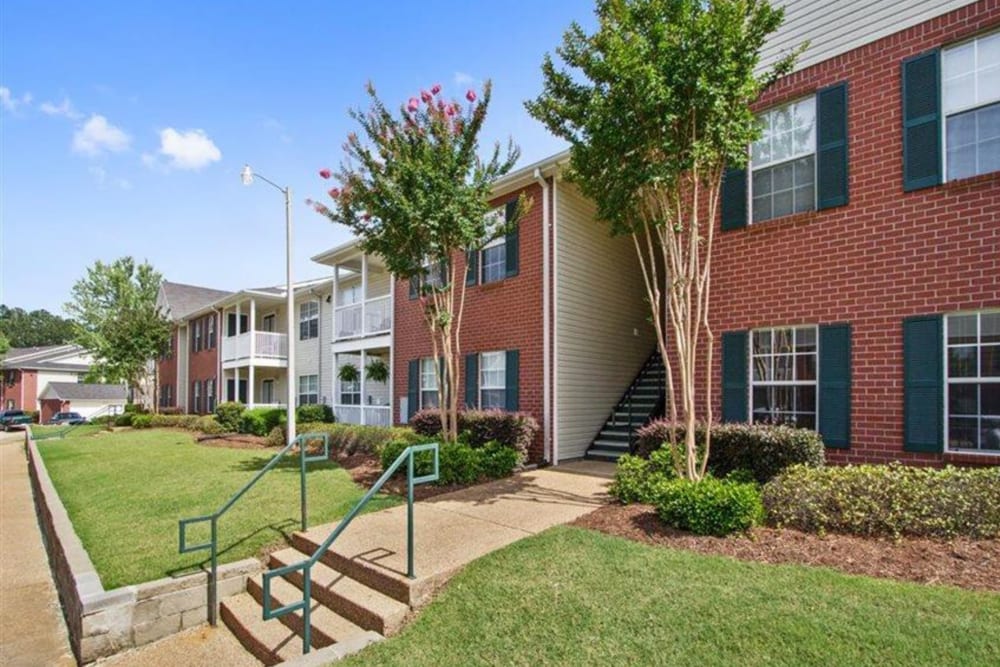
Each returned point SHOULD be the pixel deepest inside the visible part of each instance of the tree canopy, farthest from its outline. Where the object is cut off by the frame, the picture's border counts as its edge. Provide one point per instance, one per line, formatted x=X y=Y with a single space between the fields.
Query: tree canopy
x=36 y=328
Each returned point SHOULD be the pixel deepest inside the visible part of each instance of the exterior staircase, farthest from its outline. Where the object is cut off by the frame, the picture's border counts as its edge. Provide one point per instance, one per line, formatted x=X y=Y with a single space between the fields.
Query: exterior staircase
x=642 y=401
x=349 y=611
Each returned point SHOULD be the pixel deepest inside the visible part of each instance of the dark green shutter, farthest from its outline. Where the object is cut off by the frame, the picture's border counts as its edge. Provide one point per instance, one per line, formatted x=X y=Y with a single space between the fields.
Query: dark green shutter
x=923 y=387
x=512 y=241
x=511 y=381
x=471 y=380
x=412 y=388
x=921 y=121
x=831 y=146
x=734 y=199
x=834 y=400
x=734 y=376
x=471 y=267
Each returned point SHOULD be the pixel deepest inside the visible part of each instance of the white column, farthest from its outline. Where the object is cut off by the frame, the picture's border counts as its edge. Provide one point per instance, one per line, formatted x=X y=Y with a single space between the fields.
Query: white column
x=236 y=340
x=253 y=330
x=364 y=295
x=236 y=372
x=251 y=399
x=364 y=382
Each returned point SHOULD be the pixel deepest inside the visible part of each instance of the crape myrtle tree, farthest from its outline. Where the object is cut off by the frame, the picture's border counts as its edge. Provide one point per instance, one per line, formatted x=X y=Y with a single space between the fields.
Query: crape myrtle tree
x=415 y=191
x=655 y=105
x=117 y=320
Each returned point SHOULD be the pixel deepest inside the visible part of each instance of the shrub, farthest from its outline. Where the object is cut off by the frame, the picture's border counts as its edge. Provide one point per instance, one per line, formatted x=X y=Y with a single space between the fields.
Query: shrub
x=261 y=421
x=516 y=430
x=124 y=419
x=139 y=420
x=353 y=438
x=428 y=422
x=208 y=425
x=173 y=421
x=277 y=437
x=230 y=415
x=134 y=409
x=709 y=507
x=102 y=419
x=316 y=412
x=763 y=450
x=497 y=460
x=890 y=500
x=458 y=463
x=172 y=410
x=34 y=414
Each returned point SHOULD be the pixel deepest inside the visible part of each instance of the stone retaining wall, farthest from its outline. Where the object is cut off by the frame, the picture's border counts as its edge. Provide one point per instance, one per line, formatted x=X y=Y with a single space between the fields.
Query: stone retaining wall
x=100 y=622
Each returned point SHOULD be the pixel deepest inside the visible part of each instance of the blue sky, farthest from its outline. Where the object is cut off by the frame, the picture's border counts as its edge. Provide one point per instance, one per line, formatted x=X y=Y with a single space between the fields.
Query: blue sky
x=123 y=126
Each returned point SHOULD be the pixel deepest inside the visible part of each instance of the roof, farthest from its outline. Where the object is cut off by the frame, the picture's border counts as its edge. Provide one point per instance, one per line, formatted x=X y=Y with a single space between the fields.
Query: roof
x=79 y=391
x=182 y=300
x=52 y=357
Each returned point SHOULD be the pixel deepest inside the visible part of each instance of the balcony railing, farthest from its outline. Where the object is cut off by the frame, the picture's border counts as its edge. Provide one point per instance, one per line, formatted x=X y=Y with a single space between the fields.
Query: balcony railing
x=373 y=316
x=267 y=345
x=370 y=415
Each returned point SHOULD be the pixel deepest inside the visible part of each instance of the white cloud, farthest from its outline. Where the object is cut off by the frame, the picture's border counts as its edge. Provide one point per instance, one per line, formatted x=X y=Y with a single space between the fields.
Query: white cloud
x=11 y=103
x=64 y=109
x=463 y=79
x=97 y=135
x=189 y=149
x=100 y=175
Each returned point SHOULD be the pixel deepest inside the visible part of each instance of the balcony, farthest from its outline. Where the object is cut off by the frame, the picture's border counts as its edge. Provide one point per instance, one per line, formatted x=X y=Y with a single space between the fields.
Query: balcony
x=367 y=318
x=268 y=349
x=369 y=415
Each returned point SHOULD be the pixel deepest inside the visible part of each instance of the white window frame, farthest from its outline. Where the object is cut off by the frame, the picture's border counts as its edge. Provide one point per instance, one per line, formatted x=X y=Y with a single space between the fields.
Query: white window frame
x=751 y=167
x=975 y=105
x=978 y=379
x=794 y=382
x=484 y=387
x=428 y=381
x=309 y=314
x=308 y=386
x=196 y=396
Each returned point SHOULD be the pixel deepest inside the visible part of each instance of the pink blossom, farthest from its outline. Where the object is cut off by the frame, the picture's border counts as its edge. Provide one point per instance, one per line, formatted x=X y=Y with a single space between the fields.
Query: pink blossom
x=325 y=173
x=470 y=95
x=435 y=89
x=426 y=97
x=319 y=208
x=413 y=104
x=450 y=110
x=334 y=192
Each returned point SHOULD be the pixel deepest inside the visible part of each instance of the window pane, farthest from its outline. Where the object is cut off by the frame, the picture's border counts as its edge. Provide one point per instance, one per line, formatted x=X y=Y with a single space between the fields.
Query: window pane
x=493 y=399
x=783 y=203
x=989 y=328
x=963 y=399
x=989 y=361
x=988 y=84
x=961 y=329
x=783 y=368
x=805 y=339
x=989 y=157
x=988 y=120
x=762 y=342
x=494 y=263
x=762 y=208
x=805 y=367
x=962 y=433
x=960 y=92
x=783 y=398
x=762 y=369
x=990 y=435
x=805 y=171
x=428 y=399
x=762 y=182
x=962 y=362
x=781 y=176
x=990 y=398
x=961 y=162
x=783 y=339
x=805 y=399
x=805 y=200
x=806 y=421
x=781 y=146
x=959 y=60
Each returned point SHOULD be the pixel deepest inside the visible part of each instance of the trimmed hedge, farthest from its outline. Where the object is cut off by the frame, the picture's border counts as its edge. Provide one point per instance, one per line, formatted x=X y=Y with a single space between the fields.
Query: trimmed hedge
x=458 y=463
x=352 y=438
x=709 y=507
x=140 y=420
x=887 y=500
x=637 y=479
x=762 y=449
x=173 y=421
x=260 y=421
x=230 y=415
x=314 y=412
x=208 y=425
x=516 y=430
x=124 y=419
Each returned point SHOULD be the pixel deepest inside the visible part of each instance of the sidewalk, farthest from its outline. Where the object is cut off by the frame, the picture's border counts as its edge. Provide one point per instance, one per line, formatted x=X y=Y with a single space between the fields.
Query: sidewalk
x=32 y=629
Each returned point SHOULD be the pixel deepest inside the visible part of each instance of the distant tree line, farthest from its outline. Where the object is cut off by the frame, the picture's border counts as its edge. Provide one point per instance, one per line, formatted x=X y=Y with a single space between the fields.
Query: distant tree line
x=36 y=328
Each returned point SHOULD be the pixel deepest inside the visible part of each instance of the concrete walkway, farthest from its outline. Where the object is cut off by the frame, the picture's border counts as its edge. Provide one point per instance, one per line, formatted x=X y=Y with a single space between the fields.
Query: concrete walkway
x=32 y=629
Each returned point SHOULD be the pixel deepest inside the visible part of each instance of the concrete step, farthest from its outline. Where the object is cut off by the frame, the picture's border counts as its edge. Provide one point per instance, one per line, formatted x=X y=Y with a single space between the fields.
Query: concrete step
x=268 y=641
x=613 y=434
x=600 y=454
x=328 y=627
x=610 y=445
x=353 y=600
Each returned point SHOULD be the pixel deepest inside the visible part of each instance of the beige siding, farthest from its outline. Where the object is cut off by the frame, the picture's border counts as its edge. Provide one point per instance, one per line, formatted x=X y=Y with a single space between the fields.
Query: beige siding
x=312 y=356
x=600 y=306
x=832 y=28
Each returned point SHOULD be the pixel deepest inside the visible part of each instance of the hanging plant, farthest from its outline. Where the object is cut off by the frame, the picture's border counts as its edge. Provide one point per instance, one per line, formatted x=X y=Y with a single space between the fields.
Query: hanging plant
x=377 y=370
x=349 y=373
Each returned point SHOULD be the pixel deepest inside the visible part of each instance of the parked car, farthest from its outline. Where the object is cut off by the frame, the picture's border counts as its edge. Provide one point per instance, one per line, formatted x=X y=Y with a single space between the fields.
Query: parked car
x=71 y=418
x=12 y=419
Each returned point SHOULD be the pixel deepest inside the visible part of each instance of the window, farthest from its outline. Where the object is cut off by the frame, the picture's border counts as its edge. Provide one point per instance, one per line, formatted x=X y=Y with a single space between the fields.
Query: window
x=196 y=397
x=350 y=392
x=196 y=335
x=432 y=277
x=493 y=380
x=267 y=391
x=210 y=395
x=783 y=376
x=231 y=324
x=428 y=383
x=783 y=161
x=973 y=372
x=970 y=74
x=309 y=320
x=166 y=396
x=267 y=323
x=308 y=389
x=494 y=261
x=210 y=343
x=348 y=295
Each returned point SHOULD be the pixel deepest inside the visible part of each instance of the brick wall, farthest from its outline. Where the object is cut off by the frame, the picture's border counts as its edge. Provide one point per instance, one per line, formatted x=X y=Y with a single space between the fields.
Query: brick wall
x=23 y=390
x=203 y=365
x=885 y=256
x=506 y=315
x=166 y=372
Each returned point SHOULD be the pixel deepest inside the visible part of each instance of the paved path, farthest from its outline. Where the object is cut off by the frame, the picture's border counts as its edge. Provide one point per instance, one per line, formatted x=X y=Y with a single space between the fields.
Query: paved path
x=32 y=630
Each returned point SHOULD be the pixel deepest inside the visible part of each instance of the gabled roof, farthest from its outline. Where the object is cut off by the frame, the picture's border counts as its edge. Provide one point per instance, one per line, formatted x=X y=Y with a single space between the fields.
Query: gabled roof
x=52 y=357
x=181 y=300
x=78 y=391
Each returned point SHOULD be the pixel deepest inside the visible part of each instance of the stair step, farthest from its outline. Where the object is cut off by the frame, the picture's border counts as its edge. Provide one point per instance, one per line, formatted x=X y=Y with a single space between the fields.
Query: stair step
x=350 y=598
x=611 y=445
x=598 y=454
x=268 y=641
x=621 y=435
x=328 y=627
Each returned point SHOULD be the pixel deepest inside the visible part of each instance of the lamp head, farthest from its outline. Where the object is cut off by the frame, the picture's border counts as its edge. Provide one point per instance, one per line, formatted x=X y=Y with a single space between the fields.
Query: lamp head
x=246 y=175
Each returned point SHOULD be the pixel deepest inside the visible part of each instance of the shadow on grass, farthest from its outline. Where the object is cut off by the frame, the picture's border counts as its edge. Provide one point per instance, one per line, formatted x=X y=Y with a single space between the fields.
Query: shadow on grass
x=289 y=463
x=283 y=528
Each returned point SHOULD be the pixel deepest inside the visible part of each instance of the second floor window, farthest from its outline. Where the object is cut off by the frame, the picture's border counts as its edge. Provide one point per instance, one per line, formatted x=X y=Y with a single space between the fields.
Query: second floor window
x=970 y=74
x=308 y=389
x=428 y=383
x=783 y=161
x=210 y=336
x=196 y=336
x=309 y=320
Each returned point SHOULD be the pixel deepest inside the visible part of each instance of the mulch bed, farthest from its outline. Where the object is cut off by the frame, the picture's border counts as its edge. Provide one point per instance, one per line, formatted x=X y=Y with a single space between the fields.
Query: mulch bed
x=365 y=469
x=962 y=562
x=234 y=441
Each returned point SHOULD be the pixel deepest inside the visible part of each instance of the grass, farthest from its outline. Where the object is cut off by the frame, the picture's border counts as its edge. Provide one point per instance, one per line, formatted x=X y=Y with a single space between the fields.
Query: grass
x=125 y=492
x=570 y=596
x=64 y=430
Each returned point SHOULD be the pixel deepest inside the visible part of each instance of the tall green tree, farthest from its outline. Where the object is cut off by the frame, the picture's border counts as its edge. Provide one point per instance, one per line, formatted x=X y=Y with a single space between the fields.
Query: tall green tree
x=4 y=344
x=415 y=191
x=116 y=318
x=655 y=104
x=36 y=328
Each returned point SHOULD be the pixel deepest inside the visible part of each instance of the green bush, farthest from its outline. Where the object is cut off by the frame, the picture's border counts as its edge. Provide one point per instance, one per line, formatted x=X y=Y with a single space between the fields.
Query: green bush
x=764 y=450
x=124 y=419
x=887 y=500
x=277 y=437
x=140 y=420
x=709 y=507
x=353 y=438
x=314 y=412
x=173 y=421
x=516 y=430
x=637 y=478
x=497 y=460
x=261 y=421
x=102 y=419
x=230 y=415
x=458 y=463
x=134 y=408
x=208 y=425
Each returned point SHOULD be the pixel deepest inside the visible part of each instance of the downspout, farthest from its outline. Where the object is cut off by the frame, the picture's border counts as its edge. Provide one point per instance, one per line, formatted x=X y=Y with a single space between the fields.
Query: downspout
x=555 y=320
x=546 y=320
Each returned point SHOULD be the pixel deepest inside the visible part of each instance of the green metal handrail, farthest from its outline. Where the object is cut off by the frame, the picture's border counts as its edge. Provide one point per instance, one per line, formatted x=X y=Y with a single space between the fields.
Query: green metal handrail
x=306 y=565
x=213 y=546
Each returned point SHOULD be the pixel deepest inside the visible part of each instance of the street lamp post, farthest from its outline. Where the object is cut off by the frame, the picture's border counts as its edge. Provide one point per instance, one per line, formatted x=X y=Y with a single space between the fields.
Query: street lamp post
x=247 y=175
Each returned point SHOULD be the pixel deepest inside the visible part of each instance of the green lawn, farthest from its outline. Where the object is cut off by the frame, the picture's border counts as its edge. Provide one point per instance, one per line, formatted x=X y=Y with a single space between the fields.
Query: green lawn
x=125 y=492
x=570 y=596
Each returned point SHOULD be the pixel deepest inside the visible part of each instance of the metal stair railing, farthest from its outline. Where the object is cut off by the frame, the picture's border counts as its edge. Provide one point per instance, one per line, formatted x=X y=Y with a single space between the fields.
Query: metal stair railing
x=629 y=395
x=213 y=543
x=305 y=604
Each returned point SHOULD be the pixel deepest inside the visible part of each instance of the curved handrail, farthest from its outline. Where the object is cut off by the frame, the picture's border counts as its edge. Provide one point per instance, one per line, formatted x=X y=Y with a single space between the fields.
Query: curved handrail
x=212 y=544
x=306 y=565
